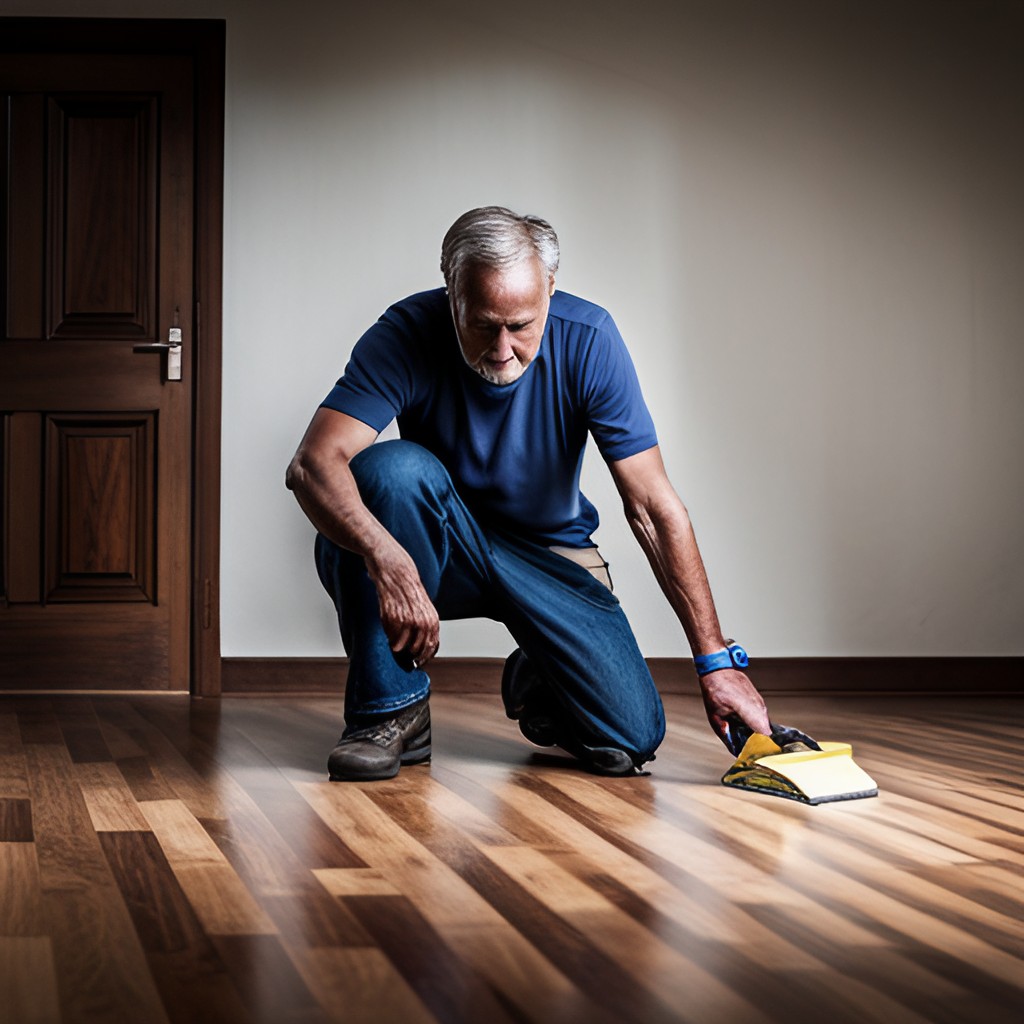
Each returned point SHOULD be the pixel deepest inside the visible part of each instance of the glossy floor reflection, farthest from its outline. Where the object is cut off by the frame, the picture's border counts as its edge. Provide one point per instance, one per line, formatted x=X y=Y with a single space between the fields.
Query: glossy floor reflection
x=163 y=859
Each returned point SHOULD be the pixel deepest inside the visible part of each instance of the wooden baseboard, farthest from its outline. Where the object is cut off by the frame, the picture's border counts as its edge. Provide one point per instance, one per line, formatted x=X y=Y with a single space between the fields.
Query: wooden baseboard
x=949 y=676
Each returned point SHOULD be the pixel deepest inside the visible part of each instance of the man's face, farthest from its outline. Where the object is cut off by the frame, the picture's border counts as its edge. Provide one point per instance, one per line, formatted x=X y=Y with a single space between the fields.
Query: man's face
x=500 y=315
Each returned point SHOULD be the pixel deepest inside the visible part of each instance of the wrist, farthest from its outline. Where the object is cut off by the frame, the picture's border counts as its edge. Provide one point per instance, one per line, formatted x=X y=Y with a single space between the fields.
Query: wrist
x=386 y=558
x=732 y=655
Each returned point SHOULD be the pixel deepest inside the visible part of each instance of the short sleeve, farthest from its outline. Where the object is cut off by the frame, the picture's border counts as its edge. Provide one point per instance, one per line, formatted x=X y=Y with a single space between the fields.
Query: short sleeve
x=378 y=381
x=617 y=415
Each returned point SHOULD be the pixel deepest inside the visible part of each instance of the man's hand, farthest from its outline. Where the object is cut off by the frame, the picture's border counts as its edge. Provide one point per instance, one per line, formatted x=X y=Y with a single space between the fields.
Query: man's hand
x=323 y=483
x=407 y=614
x=728 y=692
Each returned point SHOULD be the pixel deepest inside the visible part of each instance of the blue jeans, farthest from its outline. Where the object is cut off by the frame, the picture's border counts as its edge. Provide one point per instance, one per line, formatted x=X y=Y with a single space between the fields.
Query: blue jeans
x=570 y=627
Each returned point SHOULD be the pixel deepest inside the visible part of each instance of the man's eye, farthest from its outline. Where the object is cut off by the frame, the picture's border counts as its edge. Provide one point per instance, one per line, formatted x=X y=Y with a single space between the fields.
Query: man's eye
x=515 y=328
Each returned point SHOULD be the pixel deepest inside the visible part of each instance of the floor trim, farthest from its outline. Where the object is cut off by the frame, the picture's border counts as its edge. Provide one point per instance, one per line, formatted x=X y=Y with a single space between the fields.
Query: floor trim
x=1003 y=676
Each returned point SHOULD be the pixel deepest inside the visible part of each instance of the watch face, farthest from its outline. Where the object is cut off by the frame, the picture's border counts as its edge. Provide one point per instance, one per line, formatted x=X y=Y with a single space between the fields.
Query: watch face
x=739 y=656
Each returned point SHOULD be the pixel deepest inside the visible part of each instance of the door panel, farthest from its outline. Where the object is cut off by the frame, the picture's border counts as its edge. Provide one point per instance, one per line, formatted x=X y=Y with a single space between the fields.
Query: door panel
x=96 y=479
x=100 y=477
x=101 y=164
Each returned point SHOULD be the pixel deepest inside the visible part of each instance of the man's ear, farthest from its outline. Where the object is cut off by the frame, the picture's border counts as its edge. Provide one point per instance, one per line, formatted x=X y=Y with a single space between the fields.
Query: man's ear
x=551 y=285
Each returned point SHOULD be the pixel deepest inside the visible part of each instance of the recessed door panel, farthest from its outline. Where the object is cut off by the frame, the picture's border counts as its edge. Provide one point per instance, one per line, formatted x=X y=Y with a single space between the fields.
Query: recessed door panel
x=103 y=273
x=99 y=500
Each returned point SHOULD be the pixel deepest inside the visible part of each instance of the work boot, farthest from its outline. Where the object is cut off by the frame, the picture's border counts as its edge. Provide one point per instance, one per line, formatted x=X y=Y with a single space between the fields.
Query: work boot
x=529 y=701
x=377 y=751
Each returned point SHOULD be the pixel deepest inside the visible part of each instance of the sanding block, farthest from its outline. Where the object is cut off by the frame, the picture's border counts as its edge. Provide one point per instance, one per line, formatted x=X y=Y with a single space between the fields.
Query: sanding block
x=792 y=765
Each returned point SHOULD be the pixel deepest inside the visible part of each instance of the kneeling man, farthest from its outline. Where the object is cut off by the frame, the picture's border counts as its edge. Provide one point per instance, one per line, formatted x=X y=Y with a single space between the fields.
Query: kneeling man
x=496 y=382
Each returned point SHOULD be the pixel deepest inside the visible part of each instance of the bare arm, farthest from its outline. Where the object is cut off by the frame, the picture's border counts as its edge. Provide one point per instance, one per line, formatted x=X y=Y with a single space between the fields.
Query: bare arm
x=322 y=481
x=661 y=524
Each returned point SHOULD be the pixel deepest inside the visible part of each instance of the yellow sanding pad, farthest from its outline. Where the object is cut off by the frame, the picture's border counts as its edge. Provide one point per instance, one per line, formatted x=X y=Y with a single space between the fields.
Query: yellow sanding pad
x=810 y=776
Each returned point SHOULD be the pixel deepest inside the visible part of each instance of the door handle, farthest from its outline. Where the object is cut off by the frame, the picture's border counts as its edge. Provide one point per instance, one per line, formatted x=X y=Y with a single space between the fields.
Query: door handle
x=172 y=346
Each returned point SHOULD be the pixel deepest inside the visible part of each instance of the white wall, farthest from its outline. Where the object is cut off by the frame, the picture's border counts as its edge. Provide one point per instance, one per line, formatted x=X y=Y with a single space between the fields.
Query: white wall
x=805 y=217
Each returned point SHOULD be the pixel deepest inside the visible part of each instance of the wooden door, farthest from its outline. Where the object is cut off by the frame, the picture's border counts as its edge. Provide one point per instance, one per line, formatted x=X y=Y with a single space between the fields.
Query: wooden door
x=96 y=440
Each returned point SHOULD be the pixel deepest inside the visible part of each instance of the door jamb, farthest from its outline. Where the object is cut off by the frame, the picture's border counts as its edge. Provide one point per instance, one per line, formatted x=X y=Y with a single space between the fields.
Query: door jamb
x=203 y=40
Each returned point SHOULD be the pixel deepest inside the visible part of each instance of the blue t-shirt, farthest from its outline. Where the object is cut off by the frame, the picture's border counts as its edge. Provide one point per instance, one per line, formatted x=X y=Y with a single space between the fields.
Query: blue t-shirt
x=514 y=451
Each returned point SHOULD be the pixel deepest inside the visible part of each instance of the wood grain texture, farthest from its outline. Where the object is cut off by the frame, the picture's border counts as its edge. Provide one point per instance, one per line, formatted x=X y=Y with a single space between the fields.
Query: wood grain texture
x=99 y=495
x=168 y=859
x=87 y=256
x=28 y=983
x=22 y=506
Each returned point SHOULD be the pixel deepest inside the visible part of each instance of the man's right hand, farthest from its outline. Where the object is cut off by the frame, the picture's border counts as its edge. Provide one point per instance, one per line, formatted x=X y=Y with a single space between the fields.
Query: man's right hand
x=319 y=475
x=407 y=614
x=729 y=693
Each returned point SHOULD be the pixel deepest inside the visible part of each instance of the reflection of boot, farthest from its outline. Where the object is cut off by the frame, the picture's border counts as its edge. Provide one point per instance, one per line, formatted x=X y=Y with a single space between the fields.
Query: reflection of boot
x=377 y=751
x=528 y=700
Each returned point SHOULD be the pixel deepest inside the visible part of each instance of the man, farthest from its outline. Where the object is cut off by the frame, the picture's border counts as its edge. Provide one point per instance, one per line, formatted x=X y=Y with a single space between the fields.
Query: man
x=496 y=382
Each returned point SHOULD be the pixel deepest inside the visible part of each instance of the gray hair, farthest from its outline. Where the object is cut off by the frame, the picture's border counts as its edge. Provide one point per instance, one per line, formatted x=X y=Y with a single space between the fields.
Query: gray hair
x=496 y=237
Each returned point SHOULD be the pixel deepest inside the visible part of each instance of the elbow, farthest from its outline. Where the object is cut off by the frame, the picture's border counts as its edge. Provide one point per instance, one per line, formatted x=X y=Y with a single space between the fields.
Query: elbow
x=636 y=514
x=640 y=521
x=647 y=518
x=296 y=473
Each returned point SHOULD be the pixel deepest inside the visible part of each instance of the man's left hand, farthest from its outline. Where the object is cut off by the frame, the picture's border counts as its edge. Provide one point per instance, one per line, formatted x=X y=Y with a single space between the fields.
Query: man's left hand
x=729 y=693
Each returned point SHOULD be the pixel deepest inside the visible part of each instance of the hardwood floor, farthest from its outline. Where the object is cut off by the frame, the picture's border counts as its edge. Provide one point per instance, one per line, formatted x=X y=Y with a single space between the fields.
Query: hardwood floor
x=168 y=860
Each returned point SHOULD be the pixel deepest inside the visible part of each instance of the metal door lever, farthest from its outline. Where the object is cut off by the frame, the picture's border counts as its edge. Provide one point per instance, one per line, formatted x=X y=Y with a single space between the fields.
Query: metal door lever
x=173 y=349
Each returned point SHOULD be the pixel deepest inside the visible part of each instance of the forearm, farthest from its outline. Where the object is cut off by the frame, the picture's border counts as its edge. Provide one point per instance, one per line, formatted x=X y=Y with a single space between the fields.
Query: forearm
x=662 y=527
x=323 y=483
x=326 y=491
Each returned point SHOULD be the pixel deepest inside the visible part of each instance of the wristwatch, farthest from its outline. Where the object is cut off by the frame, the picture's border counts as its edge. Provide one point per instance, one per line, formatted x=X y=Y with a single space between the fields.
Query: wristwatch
x=732 y=656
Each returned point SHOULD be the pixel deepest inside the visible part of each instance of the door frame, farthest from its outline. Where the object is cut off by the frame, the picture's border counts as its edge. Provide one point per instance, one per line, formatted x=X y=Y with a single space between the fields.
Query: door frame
x=203 y=41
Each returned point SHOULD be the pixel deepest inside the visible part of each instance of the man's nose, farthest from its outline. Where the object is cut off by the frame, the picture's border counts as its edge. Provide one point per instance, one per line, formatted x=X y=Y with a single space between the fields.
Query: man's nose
x=502 y=347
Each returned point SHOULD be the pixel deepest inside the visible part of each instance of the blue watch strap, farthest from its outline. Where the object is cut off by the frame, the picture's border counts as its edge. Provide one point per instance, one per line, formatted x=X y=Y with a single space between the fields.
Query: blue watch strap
x=732 y=656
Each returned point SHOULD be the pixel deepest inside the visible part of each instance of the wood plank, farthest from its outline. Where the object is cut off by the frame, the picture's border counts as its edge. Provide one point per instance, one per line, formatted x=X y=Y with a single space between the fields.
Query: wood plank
x=218 y=896
x=28 y=981
x=13 y=776
x=313 y=920
x=264 y=974
x=21 y=909
x=448 y=906
x=495 y=883
x=840 y=888
x=704 y=920
x=81 y=732
x=854 y=844
x=152 y=764
x=15 y=821
x=117 y=732
x=361 y=986
x=109 y=799
x=37 y=724
x=709 y=932
x=100 y=967
x=355 y=882
x=673 y=978
x=282 y=833
x=446 y=984
x=189 y=973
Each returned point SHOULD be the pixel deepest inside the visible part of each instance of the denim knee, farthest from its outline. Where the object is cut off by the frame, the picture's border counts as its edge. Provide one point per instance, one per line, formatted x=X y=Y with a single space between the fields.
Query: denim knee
x=647 y=740
x=399 y=469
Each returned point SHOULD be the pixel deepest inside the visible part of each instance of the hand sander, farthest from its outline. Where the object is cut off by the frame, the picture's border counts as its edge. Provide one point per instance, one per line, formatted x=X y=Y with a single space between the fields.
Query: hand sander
x=790 y=764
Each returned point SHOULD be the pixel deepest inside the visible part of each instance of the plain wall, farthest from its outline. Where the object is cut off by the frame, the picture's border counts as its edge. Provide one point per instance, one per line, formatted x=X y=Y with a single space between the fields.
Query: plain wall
x=806 y=218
